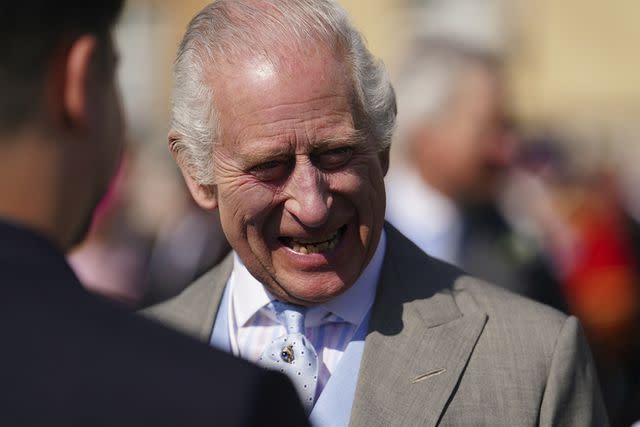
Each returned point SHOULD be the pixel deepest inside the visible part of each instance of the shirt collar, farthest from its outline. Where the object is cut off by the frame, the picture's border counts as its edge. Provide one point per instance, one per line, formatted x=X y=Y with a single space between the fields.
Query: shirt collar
x=249 y=295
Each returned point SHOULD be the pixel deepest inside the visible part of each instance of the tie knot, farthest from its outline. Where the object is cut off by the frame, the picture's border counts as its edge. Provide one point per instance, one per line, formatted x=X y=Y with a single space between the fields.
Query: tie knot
x=291 y=316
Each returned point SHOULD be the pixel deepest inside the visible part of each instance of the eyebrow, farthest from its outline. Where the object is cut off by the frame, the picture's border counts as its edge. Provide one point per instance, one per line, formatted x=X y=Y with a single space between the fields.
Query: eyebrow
x=353 y=139
x=262 y=152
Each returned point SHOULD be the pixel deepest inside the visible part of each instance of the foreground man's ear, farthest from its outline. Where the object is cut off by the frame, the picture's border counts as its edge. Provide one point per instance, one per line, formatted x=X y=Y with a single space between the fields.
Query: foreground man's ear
x=204 y=195
x=75 y=69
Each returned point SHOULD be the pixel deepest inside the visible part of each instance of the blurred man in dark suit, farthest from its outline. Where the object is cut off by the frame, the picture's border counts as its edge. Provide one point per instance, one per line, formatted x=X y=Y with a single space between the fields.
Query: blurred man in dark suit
x=69 y=358
x=456 y=148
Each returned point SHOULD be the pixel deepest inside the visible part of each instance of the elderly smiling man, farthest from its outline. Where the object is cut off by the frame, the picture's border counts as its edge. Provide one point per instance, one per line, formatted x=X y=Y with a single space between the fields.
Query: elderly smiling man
x=282 y=121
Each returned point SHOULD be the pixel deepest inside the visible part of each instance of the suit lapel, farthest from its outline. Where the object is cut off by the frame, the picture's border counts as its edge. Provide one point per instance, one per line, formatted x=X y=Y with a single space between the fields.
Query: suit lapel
x=193 y=312
x=418 y=344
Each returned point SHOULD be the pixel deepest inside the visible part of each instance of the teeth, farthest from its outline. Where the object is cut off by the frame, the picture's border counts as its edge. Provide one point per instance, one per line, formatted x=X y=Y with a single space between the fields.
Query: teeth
x=301 y=246
x=315 y=242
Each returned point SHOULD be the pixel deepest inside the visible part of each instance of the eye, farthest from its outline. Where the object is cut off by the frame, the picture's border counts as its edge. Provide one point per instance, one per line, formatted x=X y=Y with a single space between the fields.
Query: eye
x=334 y=159
x=270 y=171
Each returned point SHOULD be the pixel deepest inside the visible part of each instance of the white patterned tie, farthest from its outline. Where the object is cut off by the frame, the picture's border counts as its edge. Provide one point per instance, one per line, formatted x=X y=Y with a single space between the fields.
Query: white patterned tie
x=292 y=353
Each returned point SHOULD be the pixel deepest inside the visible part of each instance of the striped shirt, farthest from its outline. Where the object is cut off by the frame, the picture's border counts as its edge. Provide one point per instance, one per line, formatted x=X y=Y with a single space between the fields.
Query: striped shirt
x=329 y=326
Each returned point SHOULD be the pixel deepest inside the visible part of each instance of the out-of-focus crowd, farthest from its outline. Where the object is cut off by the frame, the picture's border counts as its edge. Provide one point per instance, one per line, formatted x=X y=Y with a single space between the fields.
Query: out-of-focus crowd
x=533 y=207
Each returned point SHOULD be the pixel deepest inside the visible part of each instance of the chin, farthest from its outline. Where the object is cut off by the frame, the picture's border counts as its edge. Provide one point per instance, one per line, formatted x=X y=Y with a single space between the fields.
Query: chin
x=315 y=291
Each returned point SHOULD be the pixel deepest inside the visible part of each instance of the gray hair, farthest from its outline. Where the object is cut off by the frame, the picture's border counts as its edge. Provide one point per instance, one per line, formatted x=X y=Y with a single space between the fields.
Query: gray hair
x=428 y=80
x=227 y=30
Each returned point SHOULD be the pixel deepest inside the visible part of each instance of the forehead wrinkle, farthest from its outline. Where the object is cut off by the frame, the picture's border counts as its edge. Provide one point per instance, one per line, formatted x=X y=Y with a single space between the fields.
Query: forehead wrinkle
x=289 y=127
x=284 y=141
x=262 y=126
x=284 y=105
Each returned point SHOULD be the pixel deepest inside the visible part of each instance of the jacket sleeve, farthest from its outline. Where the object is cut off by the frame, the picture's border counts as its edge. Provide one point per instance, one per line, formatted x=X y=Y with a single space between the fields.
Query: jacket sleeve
x=572 y=394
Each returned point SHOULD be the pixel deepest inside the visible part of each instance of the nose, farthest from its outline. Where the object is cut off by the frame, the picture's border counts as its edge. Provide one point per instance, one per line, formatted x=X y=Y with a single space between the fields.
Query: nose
x=308 y=198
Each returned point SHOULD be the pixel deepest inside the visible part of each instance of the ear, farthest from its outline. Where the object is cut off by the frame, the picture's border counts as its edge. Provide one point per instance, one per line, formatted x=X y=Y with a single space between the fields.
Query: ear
x=77 y=74
x=384 y=160
x=204 y=195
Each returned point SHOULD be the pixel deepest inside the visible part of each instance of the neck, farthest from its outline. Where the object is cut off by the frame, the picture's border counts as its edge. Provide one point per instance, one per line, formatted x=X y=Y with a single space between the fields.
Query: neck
x=34 y=188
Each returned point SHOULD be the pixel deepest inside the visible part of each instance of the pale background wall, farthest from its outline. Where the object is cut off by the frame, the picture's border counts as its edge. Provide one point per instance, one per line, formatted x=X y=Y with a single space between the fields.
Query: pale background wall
x=571 y=59
x=578 y=57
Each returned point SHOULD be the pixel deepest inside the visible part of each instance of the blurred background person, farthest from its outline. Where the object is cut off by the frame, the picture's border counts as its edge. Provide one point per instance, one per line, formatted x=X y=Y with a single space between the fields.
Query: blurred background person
x=455 y=150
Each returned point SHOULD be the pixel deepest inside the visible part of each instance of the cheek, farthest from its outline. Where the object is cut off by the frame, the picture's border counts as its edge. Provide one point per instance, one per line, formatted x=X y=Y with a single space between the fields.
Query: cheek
x=241 y=199
x=245 y=204
x=348 y=183
x=363 y=186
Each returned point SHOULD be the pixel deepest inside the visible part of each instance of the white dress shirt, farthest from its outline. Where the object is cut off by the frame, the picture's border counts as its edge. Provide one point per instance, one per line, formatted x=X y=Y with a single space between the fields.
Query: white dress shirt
x=329 y=326
x=429 y=219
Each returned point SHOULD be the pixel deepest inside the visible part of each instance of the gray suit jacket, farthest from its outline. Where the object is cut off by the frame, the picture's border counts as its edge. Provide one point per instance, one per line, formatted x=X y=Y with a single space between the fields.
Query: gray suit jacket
x=445 y=349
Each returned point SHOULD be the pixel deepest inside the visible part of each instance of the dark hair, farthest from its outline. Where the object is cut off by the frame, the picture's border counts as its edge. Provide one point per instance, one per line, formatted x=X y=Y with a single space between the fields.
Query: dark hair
x=30 y=32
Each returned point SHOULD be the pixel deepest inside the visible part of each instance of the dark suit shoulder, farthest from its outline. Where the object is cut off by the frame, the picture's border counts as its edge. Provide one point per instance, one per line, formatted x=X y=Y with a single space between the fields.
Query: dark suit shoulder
x=215 y=387
x=105 y=367
x=70 y=358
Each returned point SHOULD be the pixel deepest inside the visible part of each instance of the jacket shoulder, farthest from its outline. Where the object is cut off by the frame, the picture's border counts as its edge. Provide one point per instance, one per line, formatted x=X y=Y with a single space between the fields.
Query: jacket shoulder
x=508 y=314
x=193 y=310
x=501 y=303
x=539 y=351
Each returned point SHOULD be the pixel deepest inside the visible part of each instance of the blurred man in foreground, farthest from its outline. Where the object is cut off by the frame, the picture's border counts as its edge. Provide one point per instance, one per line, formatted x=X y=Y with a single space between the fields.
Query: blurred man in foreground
x=454 y=154
x=282 y=120
x=69 y=358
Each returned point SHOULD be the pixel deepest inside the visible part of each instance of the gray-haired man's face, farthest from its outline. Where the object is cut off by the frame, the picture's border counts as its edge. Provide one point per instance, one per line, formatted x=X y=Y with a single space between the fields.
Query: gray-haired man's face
x=300 y=191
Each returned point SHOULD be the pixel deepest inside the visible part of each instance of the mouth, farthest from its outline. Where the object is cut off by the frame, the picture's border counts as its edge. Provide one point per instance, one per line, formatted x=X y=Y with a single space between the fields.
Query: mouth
x=314 y=245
